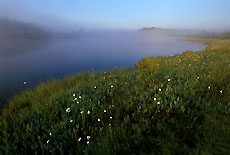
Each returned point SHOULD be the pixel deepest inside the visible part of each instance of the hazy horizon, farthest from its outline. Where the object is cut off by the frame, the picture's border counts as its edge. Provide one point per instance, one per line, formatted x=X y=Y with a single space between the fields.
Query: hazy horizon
x=76 y=14
x=34 y=47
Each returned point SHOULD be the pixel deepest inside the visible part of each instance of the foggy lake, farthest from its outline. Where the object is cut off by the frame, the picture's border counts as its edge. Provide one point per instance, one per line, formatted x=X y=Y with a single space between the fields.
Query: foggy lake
x=88 y=51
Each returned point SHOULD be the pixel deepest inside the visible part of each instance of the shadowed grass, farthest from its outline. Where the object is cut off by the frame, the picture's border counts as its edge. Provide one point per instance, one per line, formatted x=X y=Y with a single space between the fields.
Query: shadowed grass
x=168 y=105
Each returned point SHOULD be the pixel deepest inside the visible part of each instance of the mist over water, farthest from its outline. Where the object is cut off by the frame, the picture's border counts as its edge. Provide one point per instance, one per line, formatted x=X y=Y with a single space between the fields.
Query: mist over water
x=87 y=51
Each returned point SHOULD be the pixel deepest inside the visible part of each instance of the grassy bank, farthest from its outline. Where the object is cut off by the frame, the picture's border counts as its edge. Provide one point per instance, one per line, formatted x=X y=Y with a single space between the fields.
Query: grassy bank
x=168 y=105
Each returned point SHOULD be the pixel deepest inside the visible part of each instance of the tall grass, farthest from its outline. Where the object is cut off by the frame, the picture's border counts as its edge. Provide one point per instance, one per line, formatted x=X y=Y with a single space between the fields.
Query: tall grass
x=168 y=105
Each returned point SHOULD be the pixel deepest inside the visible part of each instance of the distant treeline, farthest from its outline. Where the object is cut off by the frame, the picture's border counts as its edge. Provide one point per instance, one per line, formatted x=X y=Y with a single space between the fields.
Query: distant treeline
x=223 y=35
x=151 y=29
x=14 y=30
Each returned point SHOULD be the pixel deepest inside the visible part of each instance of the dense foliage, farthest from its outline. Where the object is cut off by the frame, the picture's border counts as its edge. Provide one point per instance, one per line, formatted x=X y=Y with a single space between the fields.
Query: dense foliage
x=169 y=105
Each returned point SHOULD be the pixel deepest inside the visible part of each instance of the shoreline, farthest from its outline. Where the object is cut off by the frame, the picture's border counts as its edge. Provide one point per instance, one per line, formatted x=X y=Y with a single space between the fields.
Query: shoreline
x=6 y=98
x=170 y=100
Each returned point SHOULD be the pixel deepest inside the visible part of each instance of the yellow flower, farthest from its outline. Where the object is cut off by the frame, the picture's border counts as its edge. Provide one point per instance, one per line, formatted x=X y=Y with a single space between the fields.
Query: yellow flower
x=71 y=121
x=169 y=80
x=159 y=102
x=95 y=87
x=79 y=139
x=104 y=110
x=221 y=91
x=79 y=96
x=159 y=89
x=48 y=141
x=88 y=137
x=111 y=117
x=111 y=86
x=209 y=87
x=24 y=82
x=87 y=142
x=67 y=110
x=155 y=99
x=88 y=112
x=198 y=77
x=50 y=134
x=77 y=102
x=82 y=112
x=98 y=120
x=74 y=95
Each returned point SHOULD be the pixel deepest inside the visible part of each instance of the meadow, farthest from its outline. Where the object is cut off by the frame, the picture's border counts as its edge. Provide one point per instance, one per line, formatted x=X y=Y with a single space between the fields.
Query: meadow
x=179 y=104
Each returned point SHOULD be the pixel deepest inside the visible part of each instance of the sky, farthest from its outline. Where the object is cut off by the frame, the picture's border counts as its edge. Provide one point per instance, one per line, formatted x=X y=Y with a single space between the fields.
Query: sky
x=128 y=14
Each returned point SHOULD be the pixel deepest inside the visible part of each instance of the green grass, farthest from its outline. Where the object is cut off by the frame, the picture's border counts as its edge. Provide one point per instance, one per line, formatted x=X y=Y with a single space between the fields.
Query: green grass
x=168 y=105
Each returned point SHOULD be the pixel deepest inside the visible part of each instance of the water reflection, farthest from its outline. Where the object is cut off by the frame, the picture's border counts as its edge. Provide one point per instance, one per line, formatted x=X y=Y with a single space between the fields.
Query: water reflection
x=10 y=48
x=38 y=61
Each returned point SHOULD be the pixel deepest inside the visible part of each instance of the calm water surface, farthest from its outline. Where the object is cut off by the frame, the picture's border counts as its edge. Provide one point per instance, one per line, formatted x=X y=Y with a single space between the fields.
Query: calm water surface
x=39 y=61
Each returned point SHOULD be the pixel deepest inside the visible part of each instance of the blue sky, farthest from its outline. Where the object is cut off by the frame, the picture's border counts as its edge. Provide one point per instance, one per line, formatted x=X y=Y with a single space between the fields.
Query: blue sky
x=122 y=13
